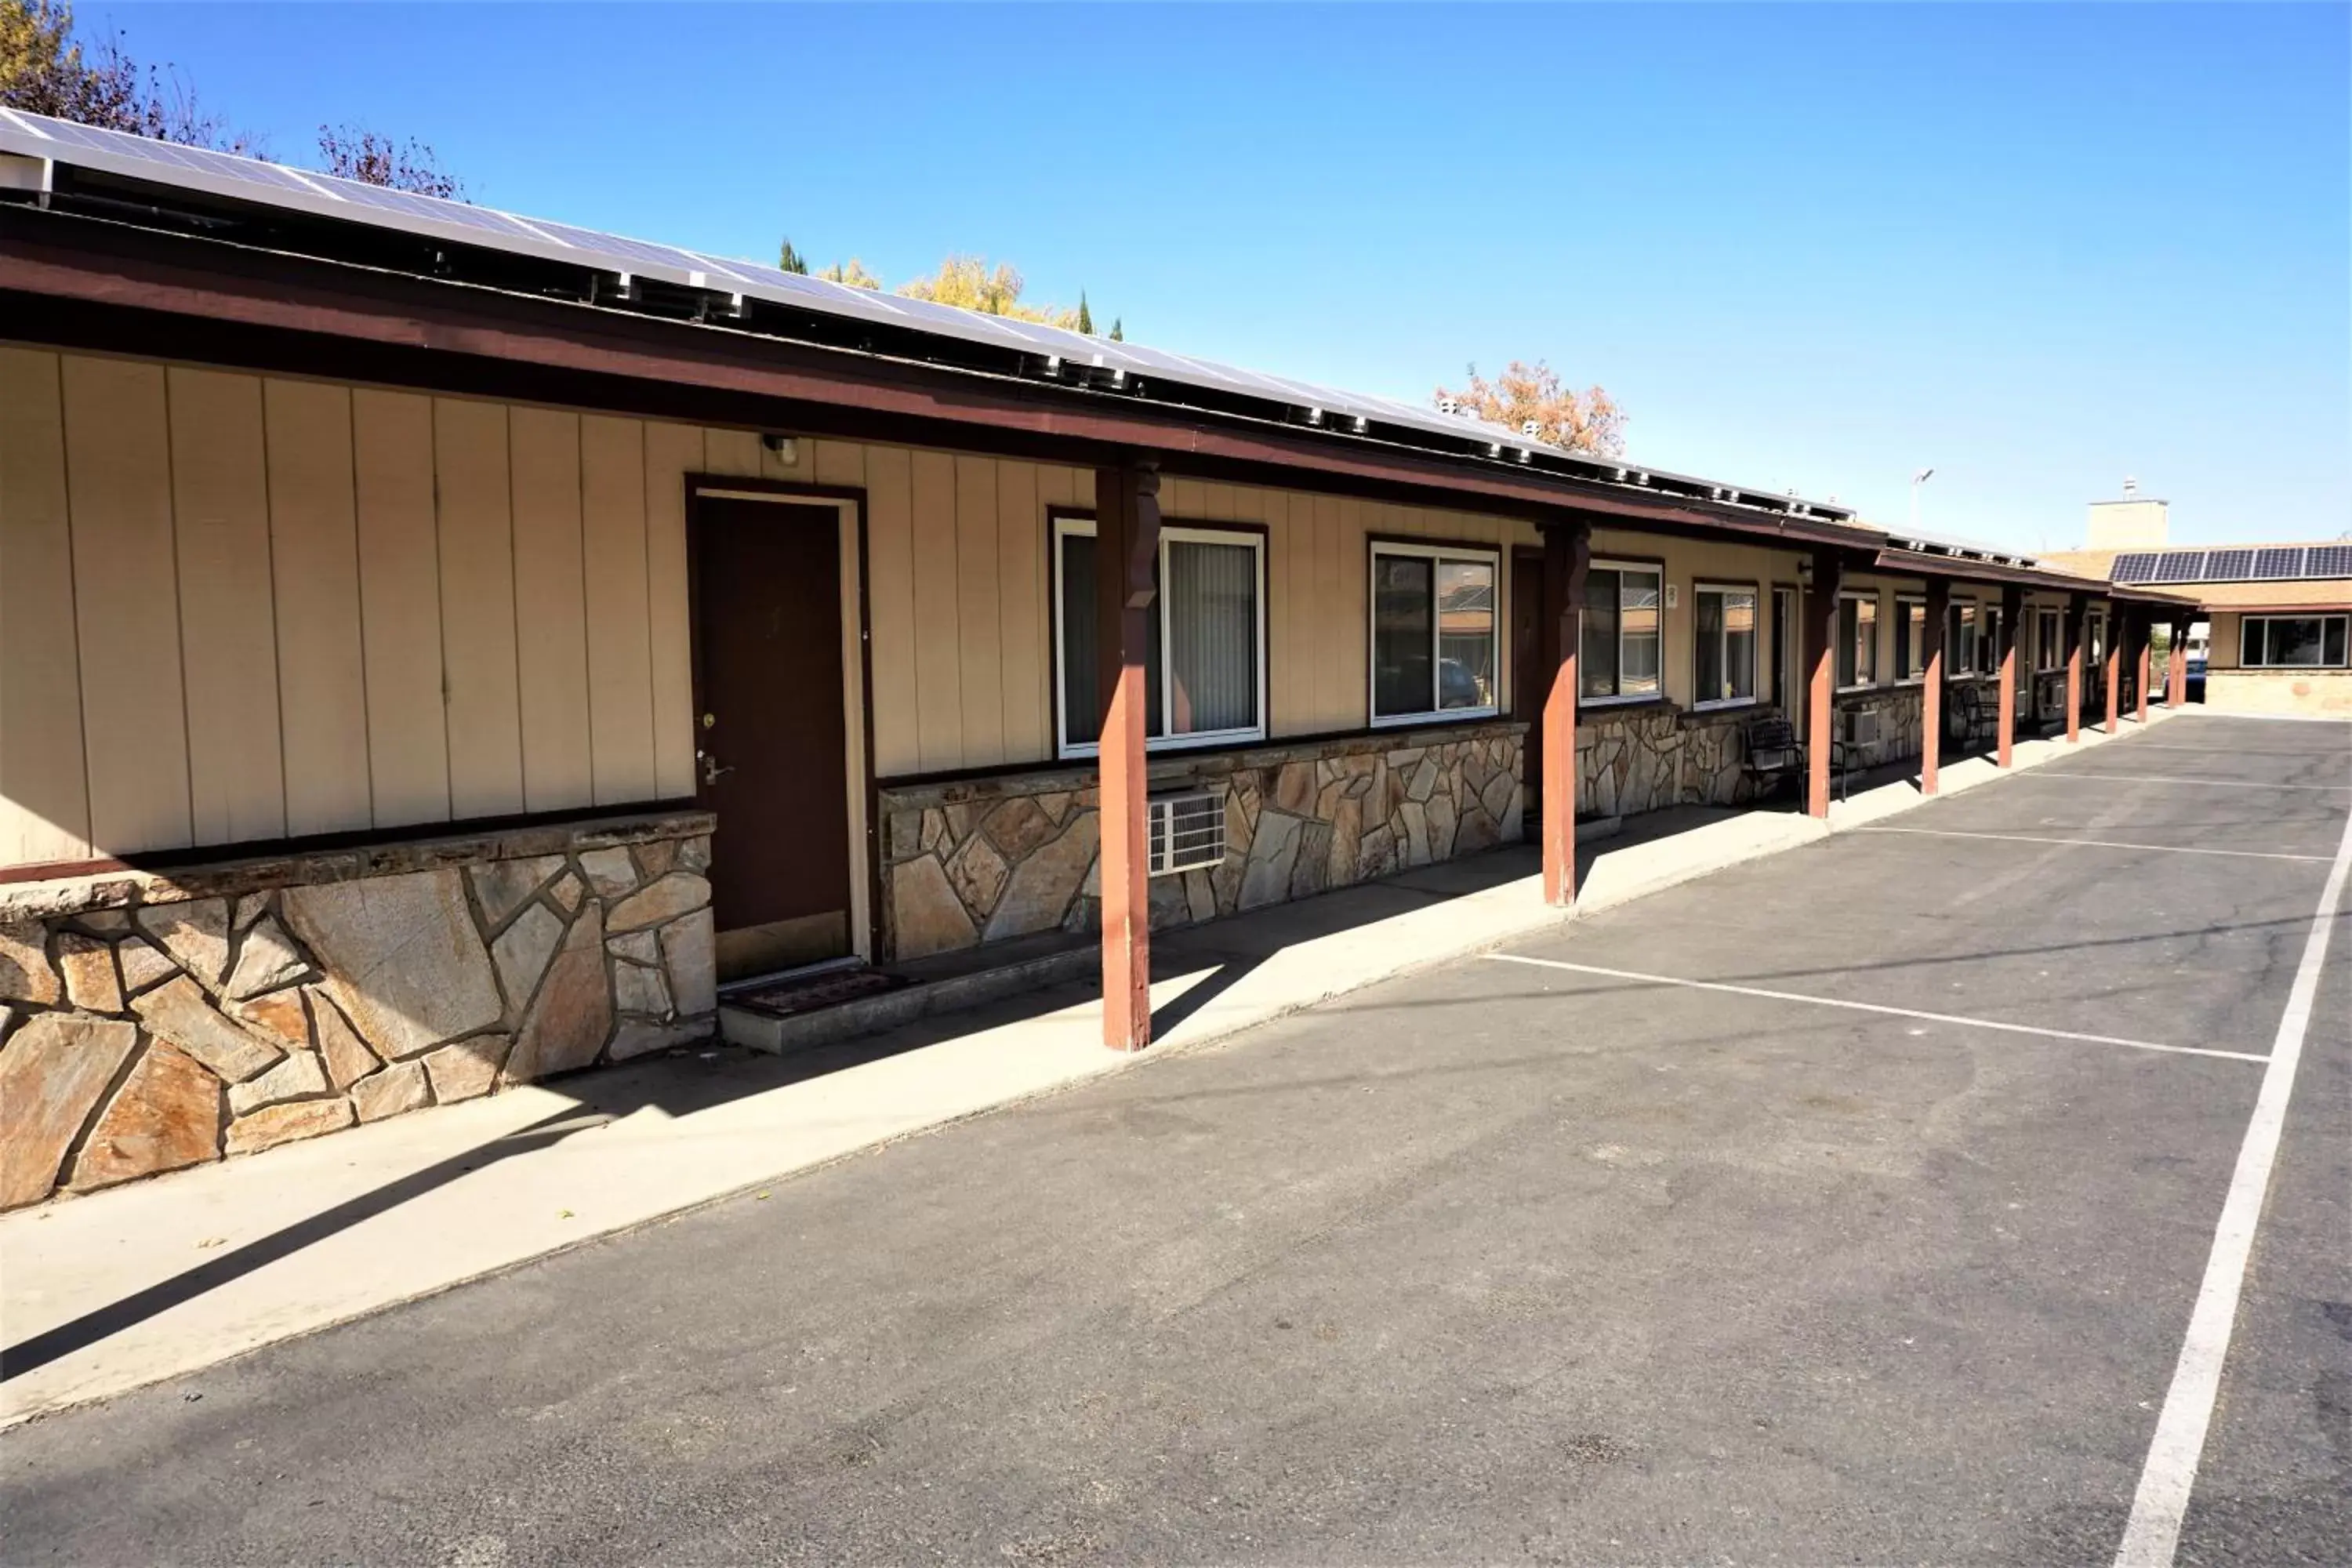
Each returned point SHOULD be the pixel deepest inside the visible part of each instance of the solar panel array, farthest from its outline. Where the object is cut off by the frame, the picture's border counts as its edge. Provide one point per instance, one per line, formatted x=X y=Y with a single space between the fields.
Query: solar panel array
x=2268 y=563
x=248 y=179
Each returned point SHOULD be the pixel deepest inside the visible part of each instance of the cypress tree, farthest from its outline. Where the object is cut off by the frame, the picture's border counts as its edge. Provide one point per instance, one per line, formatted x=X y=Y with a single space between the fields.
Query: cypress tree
x=791 y=260
x=1086 y=317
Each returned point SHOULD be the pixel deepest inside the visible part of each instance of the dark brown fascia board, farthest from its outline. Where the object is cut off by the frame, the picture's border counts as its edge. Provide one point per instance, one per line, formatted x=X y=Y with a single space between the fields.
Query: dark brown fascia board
x=1960 y=569
x=120 y=267
x=2308 y=607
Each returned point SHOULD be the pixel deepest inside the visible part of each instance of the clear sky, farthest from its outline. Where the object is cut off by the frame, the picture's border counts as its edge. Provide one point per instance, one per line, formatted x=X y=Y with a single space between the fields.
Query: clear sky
x=2038 y=248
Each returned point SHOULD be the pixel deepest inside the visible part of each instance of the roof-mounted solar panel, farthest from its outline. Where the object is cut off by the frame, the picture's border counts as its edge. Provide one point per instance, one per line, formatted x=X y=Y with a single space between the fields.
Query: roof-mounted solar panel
x=2133 y=566
x=2178 y=566
x=2228 y=565
x=122 y=156
x=2328 y=561
x=2273 y=564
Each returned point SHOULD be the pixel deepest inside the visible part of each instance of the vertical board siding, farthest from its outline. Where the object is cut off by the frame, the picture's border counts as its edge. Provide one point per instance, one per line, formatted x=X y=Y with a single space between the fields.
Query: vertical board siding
x=549 y=610
x=228 y=630
x=315 y=568
x=400 y=607
x=890 y=609
x=1021 y=598
x=939 y=684
x=619 y=608
x=44 y=791
x=475 y=538
x=672 y=451
x=979 y=615
x=233 y=607
x=127 y=604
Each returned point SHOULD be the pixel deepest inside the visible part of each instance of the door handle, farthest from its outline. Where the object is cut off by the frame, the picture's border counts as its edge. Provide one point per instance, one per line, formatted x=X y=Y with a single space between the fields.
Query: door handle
x=710 y=768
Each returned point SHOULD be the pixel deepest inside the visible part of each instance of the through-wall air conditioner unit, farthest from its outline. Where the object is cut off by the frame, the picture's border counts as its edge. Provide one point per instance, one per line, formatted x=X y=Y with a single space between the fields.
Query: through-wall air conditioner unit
x=1184 y=832
x=1862 y=726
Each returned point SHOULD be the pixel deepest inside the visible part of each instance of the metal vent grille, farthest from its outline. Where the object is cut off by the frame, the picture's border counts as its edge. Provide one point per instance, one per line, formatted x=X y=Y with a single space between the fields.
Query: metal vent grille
x=1184 y=832
x=1862 y=726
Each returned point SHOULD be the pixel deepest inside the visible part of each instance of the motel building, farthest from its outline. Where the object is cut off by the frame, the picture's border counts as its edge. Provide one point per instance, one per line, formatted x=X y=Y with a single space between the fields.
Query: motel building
x=2275 y=619
x=441 y=649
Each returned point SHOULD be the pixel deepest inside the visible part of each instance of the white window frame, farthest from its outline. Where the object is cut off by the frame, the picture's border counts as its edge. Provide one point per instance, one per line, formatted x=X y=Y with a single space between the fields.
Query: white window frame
x=1989 y=617
x=1470 y=555
x=1066 y=524
x=1875 y=599
x=2322 y=616
x=1904 y=604
x=1649 y=569
x=2052 y=622
x=1754 y=592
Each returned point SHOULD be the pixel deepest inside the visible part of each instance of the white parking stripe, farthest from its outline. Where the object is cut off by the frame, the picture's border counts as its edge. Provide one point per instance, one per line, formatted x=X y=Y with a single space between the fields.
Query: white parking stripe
x=2153 y=1533
x=1875 y=1008
x=2097 y=843
x=2200 y=783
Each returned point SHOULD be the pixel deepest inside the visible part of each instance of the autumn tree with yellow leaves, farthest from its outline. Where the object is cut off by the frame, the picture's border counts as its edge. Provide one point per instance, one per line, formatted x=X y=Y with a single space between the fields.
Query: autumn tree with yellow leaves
x=1588 y=421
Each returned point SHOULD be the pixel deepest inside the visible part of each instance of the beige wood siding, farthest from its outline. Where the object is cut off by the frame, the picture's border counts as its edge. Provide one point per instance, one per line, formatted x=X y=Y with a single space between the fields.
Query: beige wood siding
x=266 y=605
x=44 y=788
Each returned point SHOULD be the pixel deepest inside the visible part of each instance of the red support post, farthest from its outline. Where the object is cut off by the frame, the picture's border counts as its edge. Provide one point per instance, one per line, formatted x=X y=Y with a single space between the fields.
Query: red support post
x=1820 y=675
x=2175 y=679
x=2113 y=657
x=2013 y=610
x=2077 y=610
x=1126 y=553
x=1931 y=691
x=2143 y=643
x=1568 y=558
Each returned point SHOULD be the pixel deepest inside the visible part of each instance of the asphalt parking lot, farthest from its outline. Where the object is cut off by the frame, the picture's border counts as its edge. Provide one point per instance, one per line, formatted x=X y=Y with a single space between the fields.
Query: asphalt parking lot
x=1850 y=1205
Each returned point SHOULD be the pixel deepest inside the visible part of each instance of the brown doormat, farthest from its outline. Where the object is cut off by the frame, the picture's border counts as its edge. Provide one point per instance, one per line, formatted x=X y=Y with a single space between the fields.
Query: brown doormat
x=813 y=992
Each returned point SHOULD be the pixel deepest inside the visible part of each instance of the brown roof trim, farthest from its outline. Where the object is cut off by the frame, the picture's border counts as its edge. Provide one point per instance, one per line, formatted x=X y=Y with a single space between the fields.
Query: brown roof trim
x=1962 y=569
x=117 y=268
x=2305 y=607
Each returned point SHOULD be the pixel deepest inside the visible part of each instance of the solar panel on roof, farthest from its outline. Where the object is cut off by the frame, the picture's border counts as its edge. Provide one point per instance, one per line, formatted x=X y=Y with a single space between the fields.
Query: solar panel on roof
x=249 y=180
x=2228 y=565
x=2133 y=566
x=2328 y=561
x=2178 y=566
x=2270 y=565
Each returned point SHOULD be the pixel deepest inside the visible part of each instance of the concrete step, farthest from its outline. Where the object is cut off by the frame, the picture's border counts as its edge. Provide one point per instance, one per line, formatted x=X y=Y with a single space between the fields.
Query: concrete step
x=927 y=993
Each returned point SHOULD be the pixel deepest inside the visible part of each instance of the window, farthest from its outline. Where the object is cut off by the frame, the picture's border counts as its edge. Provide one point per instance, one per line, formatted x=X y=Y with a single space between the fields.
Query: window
x=1910 y=639
x=1725 y=656
x=1433 y=632
x=2049 y=640
x=2095 y=637
x=1617 y=657
x=1858 y=640
x=1204 y=649
x=1960 y=639
x=1988 y=642
x=2287 y=642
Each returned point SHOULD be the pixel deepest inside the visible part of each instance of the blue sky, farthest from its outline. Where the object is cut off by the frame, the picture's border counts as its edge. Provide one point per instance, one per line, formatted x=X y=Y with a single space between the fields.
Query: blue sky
x=2038 y=248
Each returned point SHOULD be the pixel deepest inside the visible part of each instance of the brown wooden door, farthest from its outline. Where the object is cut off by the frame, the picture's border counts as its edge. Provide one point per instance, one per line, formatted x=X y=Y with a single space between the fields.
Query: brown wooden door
x=770 y=732
x=1529 y=679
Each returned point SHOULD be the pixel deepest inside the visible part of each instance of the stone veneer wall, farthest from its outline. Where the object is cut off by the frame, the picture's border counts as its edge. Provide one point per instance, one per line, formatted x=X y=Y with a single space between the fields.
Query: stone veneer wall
x=991 y=859
x=154 y=1021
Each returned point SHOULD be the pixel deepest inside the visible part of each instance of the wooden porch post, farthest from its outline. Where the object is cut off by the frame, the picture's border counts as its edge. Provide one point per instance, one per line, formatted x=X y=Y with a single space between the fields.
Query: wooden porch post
x=1820 y=675
x=2012 y=608
x=2078 y=610
x=2175 y=678
x=2144 y=648
x=1931 y=692
x=2114 y=660
x=1127 y=550
x=1568 y=558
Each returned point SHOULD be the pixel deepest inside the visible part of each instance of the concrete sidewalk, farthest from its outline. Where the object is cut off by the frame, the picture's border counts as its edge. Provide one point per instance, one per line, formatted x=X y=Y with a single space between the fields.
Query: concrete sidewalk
x=129 y=1286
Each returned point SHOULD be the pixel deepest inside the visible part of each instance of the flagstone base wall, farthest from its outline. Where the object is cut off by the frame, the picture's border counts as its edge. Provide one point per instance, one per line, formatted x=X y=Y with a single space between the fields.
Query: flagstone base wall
x=151 y=1021
x=987 y=861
